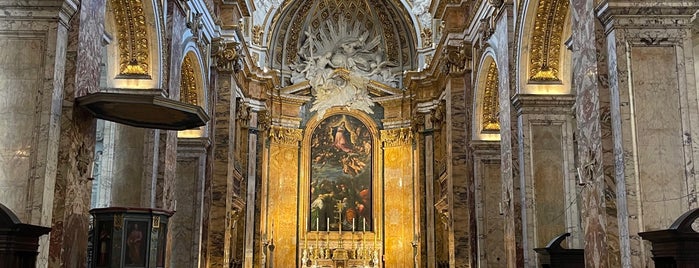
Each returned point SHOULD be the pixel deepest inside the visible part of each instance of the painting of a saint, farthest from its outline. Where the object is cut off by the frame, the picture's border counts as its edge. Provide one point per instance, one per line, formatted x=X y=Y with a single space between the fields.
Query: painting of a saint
x=136 y=244
x=104 y=243
x=341 y=175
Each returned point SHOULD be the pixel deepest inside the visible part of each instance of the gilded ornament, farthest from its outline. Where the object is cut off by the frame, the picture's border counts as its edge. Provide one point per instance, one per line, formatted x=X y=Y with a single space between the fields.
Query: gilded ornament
x=257 y=33
x=188 y=84
x=397 y=137
x=426 y=36
x=286 y=136
x=118 y=221
x=546 y=40
x=156 y=222
x=491 y=102
x=134 y=53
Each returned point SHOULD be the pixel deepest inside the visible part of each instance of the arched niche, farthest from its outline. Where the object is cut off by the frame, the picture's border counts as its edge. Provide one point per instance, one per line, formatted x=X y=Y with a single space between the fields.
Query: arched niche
x=135 y=38
x=486 y=107
x=327 y=161
x=192 y=89
x=544 y=30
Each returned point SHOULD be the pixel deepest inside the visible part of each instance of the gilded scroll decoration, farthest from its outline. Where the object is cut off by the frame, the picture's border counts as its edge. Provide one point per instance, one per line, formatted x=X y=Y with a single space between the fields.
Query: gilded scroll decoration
x=188 y=83
x=134 y=55
x=545 y=52
x=491 y=104
x=397 y=137
x=286 y=136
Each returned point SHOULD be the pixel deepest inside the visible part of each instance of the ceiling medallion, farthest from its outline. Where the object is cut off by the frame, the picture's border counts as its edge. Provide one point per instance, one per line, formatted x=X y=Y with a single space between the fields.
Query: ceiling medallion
x=339 y=61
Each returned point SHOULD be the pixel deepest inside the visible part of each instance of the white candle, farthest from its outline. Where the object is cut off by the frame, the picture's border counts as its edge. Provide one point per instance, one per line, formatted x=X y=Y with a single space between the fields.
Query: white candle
x=352 y=225
x=327 y=225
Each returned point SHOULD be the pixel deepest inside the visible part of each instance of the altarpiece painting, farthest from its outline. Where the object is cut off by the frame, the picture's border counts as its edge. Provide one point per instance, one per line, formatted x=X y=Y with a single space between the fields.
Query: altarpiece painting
x=341 y=175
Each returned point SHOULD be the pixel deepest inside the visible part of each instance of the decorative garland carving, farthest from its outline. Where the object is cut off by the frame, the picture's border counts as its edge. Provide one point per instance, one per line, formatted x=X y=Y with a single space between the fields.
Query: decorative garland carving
x=134 y=52
x=397 y=137
x=188 y=84
x=546 y=40
x=286 y=136
x=491 y=104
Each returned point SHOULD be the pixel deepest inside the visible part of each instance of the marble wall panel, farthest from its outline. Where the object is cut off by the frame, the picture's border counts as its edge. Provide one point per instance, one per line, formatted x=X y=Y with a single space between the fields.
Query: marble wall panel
x=32 y=76
x=128 y=180
x=399 y=207
x=185 y=224
x=282 y=204
x=549 y=177
x=648 y=49
x=659 y=147
x=20 y=76
x=491 y=251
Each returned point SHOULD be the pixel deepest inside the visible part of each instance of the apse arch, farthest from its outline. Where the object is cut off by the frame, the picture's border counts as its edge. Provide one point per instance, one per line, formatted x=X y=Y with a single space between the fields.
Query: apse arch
x=310 y=184
x=486 y=104
x=134 y=54
x=544 y=63
x=290 y=24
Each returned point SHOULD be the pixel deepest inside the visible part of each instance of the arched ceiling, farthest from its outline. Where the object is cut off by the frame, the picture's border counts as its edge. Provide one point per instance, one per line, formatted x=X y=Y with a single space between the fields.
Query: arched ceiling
x=386 y=19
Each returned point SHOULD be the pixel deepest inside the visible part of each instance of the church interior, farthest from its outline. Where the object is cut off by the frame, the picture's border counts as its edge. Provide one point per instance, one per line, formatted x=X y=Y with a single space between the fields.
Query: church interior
x=349 y=133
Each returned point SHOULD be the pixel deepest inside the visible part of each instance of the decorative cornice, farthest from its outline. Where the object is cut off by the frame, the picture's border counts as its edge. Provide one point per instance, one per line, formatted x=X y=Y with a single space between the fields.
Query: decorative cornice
x=543 y=104
x=397 y=137
x=134 y=50
x=285 y=136
x=491 y=102
x=545 y=48
x=188 y=82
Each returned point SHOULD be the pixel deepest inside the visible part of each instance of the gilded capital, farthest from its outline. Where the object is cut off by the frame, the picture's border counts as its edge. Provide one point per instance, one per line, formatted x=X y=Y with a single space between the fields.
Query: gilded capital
x=397 y=137
x=286 y=136
x=228 y=54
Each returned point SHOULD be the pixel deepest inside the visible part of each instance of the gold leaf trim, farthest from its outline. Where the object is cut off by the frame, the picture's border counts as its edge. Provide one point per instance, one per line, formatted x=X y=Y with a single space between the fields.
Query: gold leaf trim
x=546 y=40
x=134 y=53
x=491 y=104
x=188 y=84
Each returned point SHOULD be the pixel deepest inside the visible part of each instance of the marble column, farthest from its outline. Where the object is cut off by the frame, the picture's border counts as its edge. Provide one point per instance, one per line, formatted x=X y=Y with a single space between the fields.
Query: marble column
x=186 y=223
x=460 y=169
x=257 y=125
x=33 y=37
x=222 y=167
x=424 y=116
x=654 y=115
x=488 y=193
x=585 y=84
x=549 y=208
x=501 y=41
x=68 y=245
